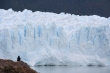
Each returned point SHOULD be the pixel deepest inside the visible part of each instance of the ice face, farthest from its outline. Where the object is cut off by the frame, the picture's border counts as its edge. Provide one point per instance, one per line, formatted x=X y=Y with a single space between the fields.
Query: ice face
x=42 y=38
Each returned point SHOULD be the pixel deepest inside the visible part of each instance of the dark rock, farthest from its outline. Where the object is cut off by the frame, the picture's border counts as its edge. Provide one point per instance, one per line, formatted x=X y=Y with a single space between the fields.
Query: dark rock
x=9 y=66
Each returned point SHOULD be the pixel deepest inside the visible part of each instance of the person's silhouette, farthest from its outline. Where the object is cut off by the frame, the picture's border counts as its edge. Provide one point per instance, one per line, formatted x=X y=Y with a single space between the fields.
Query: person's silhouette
x=18 y=59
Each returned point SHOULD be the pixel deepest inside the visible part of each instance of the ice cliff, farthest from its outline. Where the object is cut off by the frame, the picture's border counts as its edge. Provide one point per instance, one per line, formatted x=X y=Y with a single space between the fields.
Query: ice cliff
x=43 y=38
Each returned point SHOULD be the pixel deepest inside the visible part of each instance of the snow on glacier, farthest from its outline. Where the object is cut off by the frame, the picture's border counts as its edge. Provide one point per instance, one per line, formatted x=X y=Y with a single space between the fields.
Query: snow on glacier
x=43 y=38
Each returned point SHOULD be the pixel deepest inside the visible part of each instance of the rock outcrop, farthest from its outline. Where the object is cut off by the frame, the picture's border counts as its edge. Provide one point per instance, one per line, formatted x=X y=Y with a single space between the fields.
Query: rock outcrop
x=9 y=66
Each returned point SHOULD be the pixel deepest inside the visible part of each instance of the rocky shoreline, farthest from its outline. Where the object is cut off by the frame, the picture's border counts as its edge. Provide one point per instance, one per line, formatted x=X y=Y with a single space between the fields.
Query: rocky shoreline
x=9 y=66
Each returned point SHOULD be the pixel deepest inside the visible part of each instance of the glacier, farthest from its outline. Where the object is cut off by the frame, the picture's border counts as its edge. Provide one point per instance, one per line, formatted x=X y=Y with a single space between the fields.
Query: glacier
x=44 y=38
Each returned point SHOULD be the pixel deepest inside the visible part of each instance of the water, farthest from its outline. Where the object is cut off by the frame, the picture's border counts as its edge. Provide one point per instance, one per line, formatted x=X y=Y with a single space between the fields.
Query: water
x=71 y=69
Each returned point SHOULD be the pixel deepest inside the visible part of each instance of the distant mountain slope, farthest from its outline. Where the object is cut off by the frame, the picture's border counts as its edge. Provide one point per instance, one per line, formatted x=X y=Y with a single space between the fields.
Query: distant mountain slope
x=78 y=7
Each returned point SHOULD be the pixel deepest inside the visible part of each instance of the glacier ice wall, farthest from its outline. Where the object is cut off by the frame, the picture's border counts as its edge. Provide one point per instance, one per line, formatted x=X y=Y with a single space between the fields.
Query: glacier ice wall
x=43 y=38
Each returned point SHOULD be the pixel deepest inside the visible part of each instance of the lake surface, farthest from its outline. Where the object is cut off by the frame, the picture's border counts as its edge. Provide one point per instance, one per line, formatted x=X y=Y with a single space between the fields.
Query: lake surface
x=71 y=69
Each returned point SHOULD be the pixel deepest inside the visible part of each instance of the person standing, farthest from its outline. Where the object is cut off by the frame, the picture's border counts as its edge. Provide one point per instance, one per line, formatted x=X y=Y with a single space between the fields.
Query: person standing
x=18 y=59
